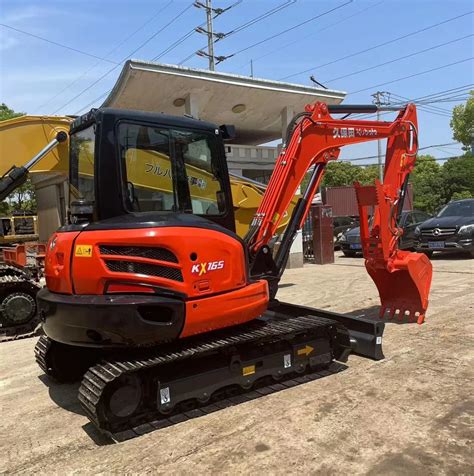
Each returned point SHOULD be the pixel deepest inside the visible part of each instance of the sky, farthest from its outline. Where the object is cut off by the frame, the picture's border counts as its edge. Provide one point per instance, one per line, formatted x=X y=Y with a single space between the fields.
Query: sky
x=37 y=77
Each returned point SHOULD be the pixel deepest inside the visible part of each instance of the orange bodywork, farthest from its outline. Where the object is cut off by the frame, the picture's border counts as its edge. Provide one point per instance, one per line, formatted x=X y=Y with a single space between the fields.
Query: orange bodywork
x=209 y=271
x=403 y=279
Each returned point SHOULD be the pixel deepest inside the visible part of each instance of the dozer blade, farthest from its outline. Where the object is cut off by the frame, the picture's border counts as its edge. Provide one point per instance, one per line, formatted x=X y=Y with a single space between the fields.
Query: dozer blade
x=403 y=287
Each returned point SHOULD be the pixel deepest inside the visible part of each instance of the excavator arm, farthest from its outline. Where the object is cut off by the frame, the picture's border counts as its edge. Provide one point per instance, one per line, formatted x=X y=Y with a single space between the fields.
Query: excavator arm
x=17 y=175
x=314 y=138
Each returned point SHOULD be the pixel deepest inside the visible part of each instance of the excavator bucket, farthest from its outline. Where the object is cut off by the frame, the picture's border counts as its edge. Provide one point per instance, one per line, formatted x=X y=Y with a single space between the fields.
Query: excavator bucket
x=403 y=278
x=405 y=288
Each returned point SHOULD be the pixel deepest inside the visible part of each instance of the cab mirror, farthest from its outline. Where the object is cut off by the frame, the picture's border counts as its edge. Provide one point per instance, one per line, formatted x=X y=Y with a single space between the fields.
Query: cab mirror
x=227 y=132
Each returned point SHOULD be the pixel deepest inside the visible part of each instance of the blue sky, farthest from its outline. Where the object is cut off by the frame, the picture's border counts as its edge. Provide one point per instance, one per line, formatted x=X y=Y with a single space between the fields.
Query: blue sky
x=33 y=71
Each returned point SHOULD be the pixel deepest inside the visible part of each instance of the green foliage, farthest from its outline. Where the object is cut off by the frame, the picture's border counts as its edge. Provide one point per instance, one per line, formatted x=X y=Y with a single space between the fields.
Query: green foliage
x=427 y=184
x=458 y=178
x=462 y=195
x=341 y=173
x=22 y=199
x=462 y=122
x=4 y=208
x=7 y=113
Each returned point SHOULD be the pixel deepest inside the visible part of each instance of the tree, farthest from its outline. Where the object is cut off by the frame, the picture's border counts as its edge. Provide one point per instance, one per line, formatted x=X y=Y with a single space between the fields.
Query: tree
x=7 y=113
x=457 y=178
x=23 y=198
x=341 y=173
x=427 y=183
x=462 y=123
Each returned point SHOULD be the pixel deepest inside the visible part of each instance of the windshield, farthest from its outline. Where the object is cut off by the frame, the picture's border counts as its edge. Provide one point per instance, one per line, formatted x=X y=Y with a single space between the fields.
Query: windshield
x=458 y=209
x=82 y=165
x=170 y=170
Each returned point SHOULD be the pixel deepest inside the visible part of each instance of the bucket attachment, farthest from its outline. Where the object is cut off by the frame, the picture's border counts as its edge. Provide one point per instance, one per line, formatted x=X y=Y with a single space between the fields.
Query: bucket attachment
x=403 y=279
x=403 y=286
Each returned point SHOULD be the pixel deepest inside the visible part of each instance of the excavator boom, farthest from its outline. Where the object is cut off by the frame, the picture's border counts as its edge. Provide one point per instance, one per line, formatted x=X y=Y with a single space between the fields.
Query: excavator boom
x=314 y=138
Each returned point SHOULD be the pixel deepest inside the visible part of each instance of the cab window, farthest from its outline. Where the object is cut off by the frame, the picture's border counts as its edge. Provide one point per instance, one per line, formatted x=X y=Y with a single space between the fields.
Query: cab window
x=170 y=170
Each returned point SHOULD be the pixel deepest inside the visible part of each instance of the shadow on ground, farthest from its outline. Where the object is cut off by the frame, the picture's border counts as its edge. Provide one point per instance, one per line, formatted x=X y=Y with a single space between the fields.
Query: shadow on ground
x=64 y=395
x=452 y=256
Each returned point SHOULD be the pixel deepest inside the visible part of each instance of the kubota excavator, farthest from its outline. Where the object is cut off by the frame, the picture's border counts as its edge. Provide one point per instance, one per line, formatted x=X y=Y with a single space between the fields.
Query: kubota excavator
x=164 y=308
x=39 y=145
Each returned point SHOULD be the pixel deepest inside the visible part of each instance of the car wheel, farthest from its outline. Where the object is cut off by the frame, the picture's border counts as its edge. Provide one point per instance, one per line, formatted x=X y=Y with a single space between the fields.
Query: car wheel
x=349 y=254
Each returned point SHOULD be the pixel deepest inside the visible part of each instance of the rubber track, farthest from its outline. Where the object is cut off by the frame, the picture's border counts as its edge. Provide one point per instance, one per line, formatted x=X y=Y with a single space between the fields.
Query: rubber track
x=99 y=376
x=22 y=331
x=41 y=349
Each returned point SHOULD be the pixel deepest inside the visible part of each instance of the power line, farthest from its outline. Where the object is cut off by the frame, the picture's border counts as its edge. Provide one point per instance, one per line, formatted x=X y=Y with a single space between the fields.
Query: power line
x=276 y=35
x=302 y=38
x=439 y=159
x=379 y=45
x=246 y=25
x=421 y=99
x=176 y=17
x=191 y=32
x=421 y=148
x=437 y=109
x=412 y=75
x=61 y=45
x=399 y=58
x=211 y=14
x=106 y=56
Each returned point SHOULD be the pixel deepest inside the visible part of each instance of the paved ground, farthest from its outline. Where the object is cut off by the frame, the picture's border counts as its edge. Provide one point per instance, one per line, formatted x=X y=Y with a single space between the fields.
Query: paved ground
x=411 y=413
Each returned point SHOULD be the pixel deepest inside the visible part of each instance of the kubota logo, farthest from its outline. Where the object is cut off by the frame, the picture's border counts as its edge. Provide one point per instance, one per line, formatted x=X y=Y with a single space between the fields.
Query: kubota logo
x=203 y=268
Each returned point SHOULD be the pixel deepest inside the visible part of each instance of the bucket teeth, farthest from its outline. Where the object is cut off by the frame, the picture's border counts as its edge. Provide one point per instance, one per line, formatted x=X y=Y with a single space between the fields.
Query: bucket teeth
x=402 y=314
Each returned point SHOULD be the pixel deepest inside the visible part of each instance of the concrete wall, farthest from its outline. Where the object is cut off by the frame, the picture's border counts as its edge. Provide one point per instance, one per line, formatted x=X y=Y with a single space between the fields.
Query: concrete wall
x=51 y=196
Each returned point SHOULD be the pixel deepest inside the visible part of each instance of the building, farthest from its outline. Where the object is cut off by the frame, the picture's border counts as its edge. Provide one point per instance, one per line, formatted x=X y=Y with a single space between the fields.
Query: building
x=260 y=109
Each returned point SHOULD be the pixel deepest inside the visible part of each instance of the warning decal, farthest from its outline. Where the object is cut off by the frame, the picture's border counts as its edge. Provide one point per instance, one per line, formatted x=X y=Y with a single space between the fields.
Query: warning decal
x=83 y=251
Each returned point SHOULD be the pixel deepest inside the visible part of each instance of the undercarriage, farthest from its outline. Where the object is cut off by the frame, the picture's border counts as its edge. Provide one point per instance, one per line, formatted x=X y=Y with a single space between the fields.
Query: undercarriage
x=128 y=394
x=18 y=316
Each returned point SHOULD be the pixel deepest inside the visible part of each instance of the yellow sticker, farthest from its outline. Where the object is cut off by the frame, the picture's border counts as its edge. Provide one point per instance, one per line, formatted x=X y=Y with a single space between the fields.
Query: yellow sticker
x=84 y=251
x=306 y=350
x=250 y=370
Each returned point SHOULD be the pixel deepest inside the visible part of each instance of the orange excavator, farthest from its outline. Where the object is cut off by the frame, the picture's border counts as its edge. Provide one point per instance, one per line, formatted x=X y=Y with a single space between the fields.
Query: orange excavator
x=163 y=310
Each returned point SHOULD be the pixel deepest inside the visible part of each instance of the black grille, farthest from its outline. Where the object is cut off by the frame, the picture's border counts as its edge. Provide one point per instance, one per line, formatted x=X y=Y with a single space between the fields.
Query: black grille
x=119 y=266
x=161 y=254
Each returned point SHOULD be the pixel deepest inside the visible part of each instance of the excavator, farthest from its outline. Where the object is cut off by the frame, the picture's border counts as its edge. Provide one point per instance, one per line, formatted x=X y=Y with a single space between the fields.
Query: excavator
x=41 y=144
x=164 y=311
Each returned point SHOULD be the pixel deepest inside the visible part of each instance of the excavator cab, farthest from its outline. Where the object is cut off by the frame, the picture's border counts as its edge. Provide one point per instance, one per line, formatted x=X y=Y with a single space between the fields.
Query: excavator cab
x=131 y=162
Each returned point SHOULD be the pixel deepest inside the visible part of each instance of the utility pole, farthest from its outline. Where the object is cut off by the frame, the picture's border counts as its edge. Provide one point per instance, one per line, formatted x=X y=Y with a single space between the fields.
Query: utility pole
x=212 y=13
x=381 y=98
x=210 y=36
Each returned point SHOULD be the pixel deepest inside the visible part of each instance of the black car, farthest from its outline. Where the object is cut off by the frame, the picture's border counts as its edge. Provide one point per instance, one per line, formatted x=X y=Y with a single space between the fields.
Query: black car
x=451 y=230
x=349 y=241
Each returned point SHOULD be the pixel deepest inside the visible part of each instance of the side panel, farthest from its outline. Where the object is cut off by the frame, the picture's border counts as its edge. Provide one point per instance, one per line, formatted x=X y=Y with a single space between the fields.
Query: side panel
x=226 y=310
x=193 y=261
x=58 y=262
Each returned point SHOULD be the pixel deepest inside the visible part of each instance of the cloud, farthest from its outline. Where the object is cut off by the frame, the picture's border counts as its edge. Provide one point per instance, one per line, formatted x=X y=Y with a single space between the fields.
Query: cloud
x=25 y=14
x=8 y=42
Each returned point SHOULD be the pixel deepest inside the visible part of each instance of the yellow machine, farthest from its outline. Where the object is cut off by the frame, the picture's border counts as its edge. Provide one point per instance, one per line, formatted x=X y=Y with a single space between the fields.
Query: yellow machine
x=23 y=137
x=18 y=229
x=38 y=147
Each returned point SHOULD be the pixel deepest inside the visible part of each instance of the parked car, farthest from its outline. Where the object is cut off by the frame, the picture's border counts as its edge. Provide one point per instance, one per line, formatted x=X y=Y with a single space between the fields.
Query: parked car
x=452 y=229
x=350 y=244
x=341 y=224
